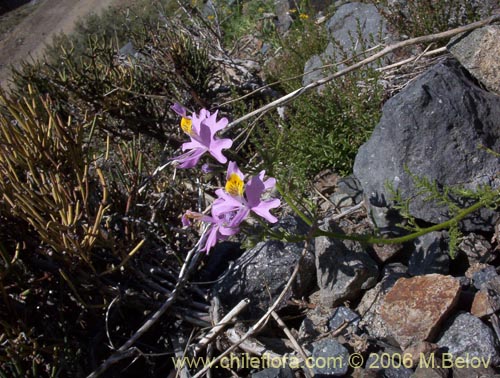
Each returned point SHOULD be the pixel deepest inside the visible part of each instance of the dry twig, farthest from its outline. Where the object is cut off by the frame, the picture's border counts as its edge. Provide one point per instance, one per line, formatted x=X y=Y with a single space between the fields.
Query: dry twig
x=412 y=41
x=262 y=321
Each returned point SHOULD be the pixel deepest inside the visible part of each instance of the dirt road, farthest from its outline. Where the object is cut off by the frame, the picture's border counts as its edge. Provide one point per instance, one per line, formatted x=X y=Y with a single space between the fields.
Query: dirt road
x=28 y=38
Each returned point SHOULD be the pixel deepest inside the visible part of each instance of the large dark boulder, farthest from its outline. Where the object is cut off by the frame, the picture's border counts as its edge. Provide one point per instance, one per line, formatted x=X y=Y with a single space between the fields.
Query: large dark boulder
x=433 y=129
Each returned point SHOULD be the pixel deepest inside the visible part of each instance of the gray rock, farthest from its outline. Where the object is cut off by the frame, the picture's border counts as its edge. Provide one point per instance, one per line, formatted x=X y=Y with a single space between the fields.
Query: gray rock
x=262 y=272
x=282 y=8
x=375 y=363
x=353 y=28
x=284 y=372
x=344 y=268
x=468 y=337
x=487 y=300
x=433 y=127
x=477 y=249
x=478 y=51
x=483 y=276
x=307 y=331
x=430 y=255
x=312 y=70
x=331 y=358
x=343 y=315
x=347 y=193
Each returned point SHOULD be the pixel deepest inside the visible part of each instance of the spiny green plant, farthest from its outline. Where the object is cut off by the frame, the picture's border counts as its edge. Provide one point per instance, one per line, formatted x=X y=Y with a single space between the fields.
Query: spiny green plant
x=451 y=198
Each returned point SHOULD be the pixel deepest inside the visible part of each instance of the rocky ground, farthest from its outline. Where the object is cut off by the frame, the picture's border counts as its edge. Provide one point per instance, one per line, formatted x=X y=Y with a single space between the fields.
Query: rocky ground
x=425 y=307
x=402 y=310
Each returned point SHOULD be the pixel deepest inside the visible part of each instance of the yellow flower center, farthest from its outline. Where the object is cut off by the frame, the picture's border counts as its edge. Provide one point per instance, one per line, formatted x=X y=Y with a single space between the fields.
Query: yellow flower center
x=186 y=125
x=235 y=185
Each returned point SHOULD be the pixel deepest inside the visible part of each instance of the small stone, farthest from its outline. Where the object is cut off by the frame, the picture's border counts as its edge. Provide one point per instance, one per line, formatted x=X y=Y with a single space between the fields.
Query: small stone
x=430 y=255
x=262 y=272
x=282 y=8
x=343 y=269
x=343 y=315
x=371 y=303
x=478 y=51
x=385 y=251
x=479 y=372
x=474 y=268
x=414 y=307
x=384 y=363
x=419 y=349
x=487 y=300
x=469 y=338
x=351 y=187
x=284 y=372
x=476 y=248
x=333 y=357
x=430 y=372
x=482 y=277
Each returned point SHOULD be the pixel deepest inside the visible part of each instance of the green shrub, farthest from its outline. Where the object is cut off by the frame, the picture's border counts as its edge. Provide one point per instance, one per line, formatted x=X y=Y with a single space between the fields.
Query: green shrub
x=421 y=17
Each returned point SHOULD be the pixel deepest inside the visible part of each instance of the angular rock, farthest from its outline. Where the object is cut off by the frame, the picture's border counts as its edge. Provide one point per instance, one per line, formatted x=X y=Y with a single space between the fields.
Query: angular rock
x=282 y=8
x=307 y=331
x=487 y=300
x=369 y=307
x=333 y=357
x=477 y=249
x=468 y=337
x=430 y=255
x=284 y=372
x=415 y=307
x=478 y=51
x=262 y=272
x=385 y=251
x=353 y=27
x=343 y=270
x=343 y=315
x=348 y=192
x=479 y=372
x=433 y=128
x=384 y=365
x=483 y=276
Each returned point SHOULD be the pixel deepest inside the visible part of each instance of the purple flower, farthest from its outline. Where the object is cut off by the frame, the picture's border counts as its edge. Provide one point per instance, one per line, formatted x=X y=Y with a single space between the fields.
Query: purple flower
x=240 y=199
x=221 y=227
x=201 y=130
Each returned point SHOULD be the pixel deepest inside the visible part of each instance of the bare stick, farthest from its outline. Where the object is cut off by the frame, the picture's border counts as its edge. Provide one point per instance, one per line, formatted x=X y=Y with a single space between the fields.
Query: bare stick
x=412 y=59
x=252 y=345
x=220 y=325
x=263 y=319
x=412 y=41
x=307 y=371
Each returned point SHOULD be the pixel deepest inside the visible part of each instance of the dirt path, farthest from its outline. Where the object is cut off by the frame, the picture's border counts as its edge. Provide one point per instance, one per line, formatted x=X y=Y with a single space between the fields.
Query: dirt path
x=29 y=37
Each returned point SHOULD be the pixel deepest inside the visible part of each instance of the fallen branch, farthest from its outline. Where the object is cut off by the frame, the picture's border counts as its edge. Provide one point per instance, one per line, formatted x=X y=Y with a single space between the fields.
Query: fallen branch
x=220 y=326
x=262 y=321
x=298 y=348
x=412 y=41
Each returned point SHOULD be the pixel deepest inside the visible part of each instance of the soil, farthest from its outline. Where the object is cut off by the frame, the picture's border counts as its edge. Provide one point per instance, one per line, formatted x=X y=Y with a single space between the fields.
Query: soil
x=48 y=18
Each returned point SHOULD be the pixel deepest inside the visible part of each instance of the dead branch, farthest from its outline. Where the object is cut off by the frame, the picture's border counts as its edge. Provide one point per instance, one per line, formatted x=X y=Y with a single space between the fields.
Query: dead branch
x=412 y=41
